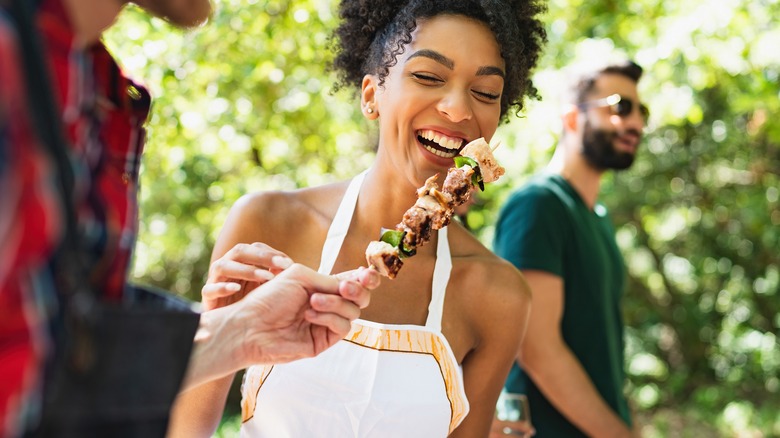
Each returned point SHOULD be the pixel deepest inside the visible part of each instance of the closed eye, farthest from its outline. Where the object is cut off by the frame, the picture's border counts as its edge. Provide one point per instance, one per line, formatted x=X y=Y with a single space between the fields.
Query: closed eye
x=488 y=96
x=426 y=78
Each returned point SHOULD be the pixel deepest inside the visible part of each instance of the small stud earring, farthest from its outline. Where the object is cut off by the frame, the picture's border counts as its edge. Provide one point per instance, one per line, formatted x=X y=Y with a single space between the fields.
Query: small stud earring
x=370 y=110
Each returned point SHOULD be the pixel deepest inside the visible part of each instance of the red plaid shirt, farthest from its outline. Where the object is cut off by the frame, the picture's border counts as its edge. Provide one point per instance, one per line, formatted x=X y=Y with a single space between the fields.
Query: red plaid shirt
x=103 y=114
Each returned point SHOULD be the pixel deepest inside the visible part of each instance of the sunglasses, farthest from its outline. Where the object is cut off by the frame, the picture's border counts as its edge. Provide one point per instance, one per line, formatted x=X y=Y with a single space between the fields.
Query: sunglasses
x=618 y=105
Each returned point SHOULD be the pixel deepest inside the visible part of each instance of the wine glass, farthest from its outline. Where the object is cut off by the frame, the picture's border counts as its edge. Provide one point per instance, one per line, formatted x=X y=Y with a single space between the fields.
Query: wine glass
x=514 y=408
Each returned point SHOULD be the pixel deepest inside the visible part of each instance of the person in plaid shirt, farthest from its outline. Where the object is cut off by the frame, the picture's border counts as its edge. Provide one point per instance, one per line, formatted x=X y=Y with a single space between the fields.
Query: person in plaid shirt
x=104 y=126
x=103 y=115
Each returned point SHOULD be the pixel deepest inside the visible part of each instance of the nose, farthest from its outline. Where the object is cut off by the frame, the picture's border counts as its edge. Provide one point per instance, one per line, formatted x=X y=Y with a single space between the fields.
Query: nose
x=635 y=120
x=456 y=106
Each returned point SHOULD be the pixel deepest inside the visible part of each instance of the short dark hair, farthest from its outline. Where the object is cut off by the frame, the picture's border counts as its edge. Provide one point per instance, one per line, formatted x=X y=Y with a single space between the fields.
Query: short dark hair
x=584 y=81
x=373 y=33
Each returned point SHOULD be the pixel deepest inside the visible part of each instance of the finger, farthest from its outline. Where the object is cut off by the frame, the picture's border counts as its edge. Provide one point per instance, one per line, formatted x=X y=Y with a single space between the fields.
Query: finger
x=352 y=275
x=280 y=263
x=338 y=326
x=355 y=292
x=279 y=258
x=263 y=256
x=369 y=278
x=237 y=270
x=260 y=255
x=213 y=291
x=310 y=280
x=322 y=337
x=335 y=304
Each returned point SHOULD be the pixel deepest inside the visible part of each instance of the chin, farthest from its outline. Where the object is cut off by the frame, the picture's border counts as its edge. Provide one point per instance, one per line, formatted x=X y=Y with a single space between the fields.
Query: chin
x=180 y=13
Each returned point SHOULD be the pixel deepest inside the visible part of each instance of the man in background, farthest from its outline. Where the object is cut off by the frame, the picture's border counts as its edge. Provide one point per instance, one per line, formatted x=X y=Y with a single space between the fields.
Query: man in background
x=297 y=313
x=556 y=232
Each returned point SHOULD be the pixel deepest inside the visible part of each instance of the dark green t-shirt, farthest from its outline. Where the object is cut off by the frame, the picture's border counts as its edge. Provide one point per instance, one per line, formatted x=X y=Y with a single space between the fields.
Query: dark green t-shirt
x=546 y=226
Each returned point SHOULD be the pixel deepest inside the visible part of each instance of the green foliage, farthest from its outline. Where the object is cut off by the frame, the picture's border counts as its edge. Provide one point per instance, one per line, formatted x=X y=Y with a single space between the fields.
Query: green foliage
x=245 y=104
x=242 y=104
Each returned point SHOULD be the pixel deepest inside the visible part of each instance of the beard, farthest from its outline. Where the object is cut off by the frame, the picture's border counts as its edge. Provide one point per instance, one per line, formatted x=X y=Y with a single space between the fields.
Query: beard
x=181 y=13
x=598 y=148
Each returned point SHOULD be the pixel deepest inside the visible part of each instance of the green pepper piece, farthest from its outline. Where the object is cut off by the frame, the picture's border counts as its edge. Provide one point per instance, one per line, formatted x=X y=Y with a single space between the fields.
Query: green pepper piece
x=392 y=237
x=405 y=251
x=461 y=161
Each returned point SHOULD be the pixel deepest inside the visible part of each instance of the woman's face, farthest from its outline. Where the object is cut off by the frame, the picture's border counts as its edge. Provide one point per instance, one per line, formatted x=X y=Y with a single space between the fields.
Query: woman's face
x=444 y=91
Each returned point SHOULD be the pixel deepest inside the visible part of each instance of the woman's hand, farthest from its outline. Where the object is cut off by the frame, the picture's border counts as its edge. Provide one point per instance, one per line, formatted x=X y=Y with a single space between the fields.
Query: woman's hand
x=240 y=270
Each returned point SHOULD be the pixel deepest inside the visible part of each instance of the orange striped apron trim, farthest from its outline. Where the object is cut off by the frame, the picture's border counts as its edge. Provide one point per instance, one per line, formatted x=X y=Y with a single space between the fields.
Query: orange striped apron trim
x=382 y=339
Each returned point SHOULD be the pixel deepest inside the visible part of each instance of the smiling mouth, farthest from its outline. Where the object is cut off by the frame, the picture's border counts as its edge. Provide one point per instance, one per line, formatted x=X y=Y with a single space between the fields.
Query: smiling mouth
x=629 y=141
x=440 y=145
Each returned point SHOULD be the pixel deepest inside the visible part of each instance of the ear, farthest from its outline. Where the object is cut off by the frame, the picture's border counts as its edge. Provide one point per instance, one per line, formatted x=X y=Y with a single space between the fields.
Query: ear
x=569 y=118
x=368 y=97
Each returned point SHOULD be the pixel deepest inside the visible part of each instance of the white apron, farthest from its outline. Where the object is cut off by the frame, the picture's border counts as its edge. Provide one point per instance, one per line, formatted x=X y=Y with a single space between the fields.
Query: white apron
x=381 y=380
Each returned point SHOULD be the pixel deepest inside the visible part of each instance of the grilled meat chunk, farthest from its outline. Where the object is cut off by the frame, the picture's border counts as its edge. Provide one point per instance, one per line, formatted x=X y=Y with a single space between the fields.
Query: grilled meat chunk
x=458 y=184
x=384 y=257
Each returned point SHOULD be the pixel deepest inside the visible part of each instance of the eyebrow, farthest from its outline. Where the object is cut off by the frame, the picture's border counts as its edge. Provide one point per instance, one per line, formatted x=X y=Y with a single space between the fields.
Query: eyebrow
x=490 y=70
x=436 y=56
x=450 y=64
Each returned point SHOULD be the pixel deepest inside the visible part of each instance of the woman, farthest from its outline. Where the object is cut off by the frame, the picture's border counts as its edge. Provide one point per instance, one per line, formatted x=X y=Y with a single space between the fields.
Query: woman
x=430 y=353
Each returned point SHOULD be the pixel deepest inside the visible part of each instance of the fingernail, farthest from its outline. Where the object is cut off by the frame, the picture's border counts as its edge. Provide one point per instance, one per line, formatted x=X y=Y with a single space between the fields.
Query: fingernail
x=235 y=287
x=263 y=274
x=352 y=289
x=281 y=262
x=373 y=279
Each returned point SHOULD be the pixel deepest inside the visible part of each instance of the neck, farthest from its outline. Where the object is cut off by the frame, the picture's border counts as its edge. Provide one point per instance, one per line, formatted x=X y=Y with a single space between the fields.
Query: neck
x=382 y=205
x=386 y=203
x=90 y=18
x=572 y=166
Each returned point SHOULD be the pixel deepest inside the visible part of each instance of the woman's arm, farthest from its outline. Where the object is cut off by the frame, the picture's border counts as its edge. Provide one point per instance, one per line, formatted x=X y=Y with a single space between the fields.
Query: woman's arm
x=197 y=411
x=499 y=303
x=293 y=313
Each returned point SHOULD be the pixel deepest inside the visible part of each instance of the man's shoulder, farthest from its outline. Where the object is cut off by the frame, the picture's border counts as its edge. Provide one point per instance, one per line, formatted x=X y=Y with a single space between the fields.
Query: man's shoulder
x=529 y=209
x=541 y=189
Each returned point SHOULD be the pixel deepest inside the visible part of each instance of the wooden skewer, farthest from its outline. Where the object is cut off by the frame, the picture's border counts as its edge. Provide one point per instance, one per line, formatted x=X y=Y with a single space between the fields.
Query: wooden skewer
x=493 y=148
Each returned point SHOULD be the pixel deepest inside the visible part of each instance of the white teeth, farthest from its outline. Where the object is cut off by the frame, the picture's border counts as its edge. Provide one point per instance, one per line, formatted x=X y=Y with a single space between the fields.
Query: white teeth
x=441 y=140
x=440 y=153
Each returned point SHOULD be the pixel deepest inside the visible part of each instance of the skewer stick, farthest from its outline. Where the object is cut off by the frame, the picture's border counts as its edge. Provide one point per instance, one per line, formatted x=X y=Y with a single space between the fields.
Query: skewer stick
x=493 y=148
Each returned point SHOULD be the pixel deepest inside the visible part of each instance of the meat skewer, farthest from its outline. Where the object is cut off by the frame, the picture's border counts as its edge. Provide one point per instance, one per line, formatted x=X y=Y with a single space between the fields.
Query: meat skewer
x=433 y=209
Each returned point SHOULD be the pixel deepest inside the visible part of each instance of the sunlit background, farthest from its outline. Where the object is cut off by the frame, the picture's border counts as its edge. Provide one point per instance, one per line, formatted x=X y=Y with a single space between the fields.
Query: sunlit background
x=246 y=103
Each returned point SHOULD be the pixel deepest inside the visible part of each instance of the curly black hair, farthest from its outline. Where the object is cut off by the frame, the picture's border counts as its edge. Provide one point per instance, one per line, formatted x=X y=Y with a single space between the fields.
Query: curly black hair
x=373 y=33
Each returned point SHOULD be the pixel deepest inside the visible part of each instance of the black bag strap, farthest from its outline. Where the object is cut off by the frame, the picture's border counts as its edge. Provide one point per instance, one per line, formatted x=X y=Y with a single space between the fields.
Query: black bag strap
x=42 y=108
x=75 y=296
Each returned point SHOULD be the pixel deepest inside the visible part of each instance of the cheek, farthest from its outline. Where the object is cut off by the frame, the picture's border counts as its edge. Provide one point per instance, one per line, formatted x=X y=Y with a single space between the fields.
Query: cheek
x=488 y=121
x=403 y=105
x=615 y=121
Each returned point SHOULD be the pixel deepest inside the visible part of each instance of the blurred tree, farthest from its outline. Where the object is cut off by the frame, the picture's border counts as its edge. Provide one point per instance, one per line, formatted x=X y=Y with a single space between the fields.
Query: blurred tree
x=245 y=104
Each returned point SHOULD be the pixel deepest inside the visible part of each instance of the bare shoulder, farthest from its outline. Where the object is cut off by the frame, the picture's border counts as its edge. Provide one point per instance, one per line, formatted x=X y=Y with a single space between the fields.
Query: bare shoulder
x=281 y=218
